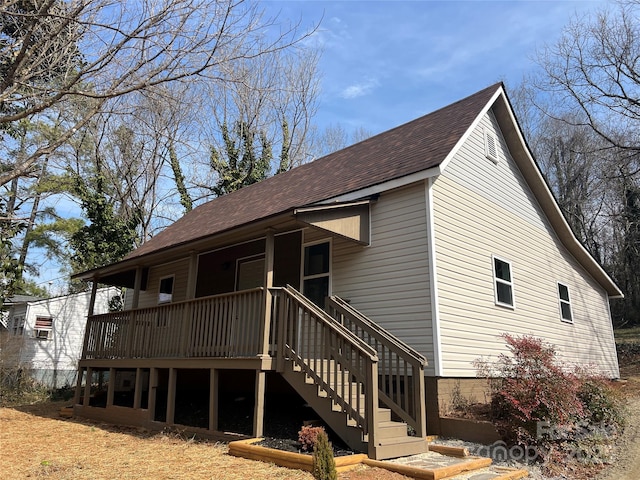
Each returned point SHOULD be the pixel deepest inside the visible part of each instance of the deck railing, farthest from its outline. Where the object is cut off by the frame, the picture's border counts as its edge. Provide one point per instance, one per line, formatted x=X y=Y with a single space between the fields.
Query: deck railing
x=400 y=367
x=344 y=366
x=227 y=325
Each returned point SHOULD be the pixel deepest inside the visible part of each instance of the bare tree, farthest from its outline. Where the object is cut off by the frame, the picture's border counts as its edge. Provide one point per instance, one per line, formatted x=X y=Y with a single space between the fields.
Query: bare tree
x=593 y=70
x=336 y=137
x=54 y=51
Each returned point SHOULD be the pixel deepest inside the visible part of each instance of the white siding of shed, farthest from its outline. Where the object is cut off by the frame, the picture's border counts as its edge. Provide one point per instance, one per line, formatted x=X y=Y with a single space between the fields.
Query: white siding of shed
x=483 y=209
x=63 y=348
x=179 y=269
x=389 y=280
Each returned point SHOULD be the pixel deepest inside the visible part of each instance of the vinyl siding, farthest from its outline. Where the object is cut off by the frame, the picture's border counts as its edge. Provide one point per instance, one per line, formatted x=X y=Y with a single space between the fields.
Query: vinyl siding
x=484 y=209
x=389 y=280
x=63 y=348
x=178 y=268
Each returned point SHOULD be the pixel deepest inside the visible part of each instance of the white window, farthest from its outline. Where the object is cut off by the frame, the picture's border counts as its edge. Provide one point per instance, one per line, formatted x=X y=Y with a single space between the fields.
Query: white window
x=565 y=303
x=490 y=146
x=503 y=280
x=165 y=292
x=43 y=328
x=316 y=272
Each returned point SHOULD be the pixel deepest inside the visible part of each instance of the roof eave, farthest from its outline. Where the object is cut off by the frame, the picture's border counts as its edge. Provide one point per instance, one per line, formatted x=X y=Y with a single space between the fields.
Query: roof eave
x=541 y=190
x=183 y=249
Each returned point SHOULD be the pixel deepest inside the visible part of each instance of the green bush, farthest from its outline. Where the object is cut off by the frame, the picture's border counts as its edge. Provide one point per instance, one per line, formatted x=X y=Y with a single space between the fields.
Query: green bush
x=324 y=465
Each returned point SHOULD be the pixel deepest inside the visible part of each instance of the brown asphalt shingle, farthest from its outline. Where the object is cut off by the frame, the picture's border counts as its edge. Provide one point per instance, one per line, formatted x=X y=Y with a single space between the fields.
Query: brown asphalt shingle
x=415 y=146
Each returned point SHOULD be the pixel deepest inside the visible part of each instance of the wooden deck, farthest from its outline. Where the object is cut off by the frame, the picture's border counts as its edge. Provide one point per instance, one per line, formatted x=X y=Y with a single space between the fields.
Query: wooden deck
x=220 y=326
x=353 y=373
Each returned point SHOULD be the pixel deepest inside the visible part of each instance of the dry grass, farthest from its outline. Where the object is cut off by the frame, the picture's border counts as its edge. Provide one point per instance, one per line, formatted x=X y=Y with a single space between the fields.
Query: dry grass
x=37 y=443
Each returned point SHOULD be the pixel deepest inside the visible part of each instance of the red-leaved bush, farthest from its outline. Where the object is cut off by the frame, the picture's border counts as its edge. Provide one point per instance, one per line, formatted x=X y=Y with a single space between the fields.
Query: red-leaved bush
x=308 y=436
x=531 y=385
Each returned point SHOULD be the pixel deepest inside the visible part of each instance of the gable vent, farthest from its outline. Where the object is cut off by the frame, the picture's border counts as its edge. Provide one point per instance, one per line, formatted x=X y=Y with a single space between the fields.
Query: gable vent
x=491 y=146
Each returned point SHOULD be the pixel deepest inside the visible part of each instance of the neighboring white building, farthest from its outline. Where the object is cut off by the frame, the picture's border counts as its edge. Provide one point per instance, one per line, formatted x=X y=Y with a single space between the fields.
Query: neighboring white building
x=47 y=334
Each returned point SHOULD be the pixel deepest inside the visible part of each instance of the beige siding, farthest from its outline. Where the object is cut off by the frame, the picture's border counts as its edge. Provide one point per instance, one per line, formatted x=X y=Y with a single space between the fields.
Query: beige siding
x=389 y=280
x=180 y=270
x=484 y=209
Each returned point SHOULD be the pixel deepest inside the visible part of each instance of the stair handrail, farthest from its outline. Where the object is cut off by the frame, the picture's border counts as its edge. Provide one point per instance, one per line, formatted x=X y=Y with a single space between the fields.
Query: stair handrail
x=374 y=327
x=411 y=408
x=331 y=322
x=364 y=413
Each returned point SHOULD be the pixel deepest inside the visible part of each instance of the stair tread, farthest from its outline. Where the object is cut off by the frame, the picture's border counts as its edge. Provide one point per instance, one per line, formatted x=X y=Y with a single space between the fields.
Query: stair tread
x=401 y=440
x=390 y=423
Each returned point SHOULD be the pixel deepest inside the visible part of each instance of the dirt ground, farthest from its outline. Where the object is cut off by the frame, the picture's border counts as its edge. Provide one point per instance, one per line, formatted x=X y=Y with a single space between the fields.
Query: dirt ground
x=37 y=443
x=627 y=464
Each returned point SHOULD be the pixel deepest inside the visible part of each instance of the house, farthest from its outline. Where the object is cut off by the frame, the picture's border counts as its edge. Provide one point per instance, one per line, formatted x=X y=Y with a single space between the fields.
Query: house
x=46 y=335
x=368 y=280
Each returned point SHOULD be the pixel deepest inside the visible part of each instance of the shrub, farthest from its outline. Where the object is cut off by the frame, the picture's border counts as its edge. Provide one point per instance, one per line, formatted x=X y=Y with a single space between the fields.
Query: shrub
x=307 y=437
x=532 y=385
x=17 y=386
x=602 y=403
x=324 y=465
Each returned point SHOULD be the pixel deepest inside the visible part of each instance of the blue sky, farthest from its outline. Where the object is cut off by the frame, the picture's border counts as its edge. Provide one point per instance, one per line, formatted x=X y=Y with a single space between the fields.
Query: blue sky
x=387 y=62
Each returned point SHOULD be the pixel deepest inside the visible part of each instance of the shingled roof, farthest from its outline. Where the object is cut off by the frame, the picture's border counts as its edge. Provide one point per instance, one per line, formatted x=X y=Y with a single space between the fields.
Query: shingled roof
x=415 y=146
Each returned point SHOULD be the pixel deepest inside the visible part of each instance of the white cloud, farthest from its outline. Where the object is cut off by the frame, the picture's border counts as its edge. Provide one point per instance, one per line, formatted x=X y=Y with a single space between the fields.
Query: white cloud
x=360 y=89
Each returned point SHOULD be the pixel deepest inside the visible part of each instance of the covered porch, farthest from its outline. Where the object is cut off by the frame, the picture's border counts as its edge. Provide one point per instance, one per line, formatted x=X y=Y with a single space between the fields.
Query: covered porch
x=259 y=306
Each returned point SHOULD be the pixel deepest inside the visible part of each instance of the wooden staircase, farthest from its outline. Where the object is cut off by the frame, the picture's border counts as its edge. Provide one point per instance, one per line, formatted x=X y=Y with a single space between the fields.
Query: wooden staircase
x=332 y=359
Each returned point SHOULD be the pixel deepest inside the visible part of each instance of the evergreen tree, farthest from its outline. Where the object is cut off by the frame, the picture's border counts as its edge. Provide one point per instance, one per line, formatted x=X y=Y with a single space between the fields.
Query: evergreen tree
x=108 y=237
x=245 y=159
x=324 y=465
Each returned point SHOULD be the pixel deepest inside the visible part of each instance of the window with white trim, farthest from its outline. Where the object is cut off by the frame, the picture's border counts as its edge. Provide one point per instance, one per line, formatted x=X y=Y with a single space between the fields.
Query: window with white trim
x=315 y=272
x=565 y=303
x=43 y=328
x=165 y=291
x=503 y=283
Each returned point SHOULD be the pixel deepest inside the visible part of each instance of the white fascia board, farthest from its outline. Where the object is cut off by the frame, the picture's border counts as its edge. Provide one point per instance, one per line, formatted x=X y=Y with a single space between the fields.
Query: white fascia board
x=533 y=176
x=433 y=281
x=383 y=187
x=471 y=128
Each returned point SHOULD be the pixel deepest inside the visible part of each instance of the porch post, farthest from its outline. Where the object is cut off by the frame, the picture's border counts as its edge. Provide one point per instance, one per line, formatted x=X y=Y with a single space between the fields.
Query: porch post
x=94 y=291
x=258 y=412
x=111 y=386
x=136 y=288
x=268 y=283
x=87 y=387
x=171 y=396
x=213 y=400
x=153 y=387
x=137 y=392
x=192 y=279
x=78 y=393
x=185 y=346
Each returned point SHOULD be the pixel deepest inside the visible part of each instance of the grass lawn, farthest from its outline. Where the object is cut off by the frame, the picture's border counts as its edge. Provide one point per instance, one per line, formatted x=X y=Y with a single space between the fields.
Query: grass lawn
x=627 y=335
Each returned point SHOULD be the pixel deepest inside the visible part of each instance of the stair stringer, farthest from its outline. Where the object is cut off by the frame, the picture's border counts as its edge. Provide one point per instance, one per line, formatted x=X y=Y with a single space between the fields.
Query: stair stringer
x=331 y=414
